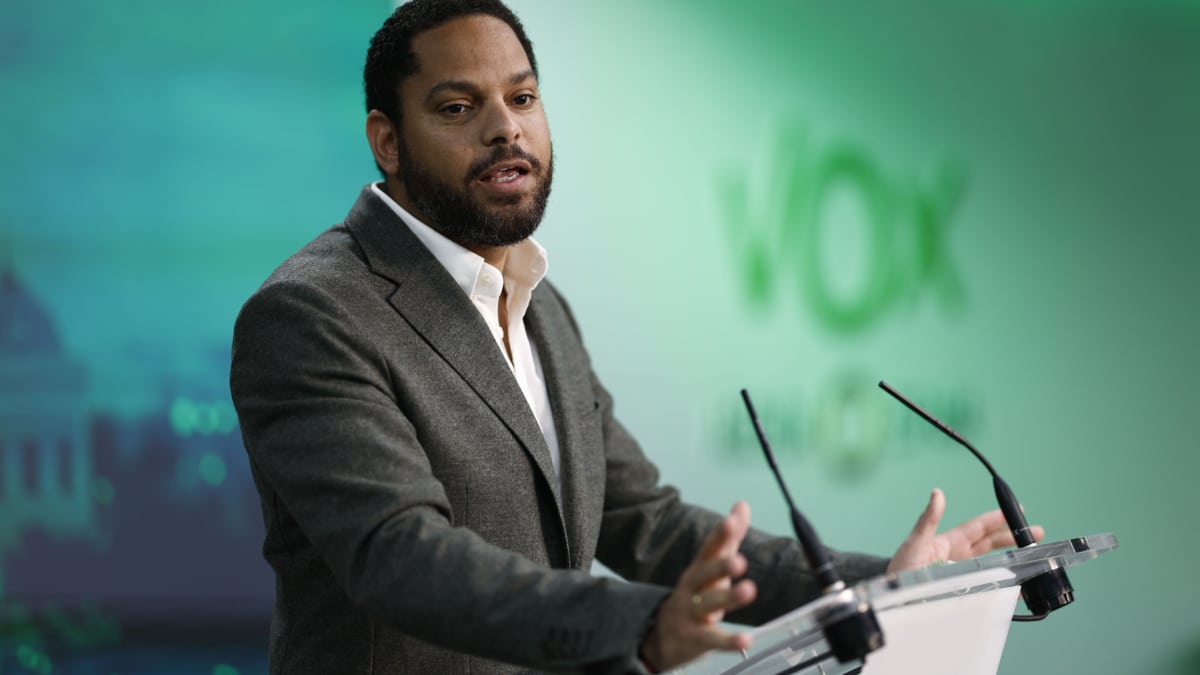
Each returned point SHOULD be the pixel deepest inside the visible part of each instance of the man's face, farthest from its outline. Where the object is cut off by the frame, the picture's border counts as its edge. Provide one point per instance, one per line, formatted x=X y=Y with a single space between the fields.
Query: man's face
x=474 y=146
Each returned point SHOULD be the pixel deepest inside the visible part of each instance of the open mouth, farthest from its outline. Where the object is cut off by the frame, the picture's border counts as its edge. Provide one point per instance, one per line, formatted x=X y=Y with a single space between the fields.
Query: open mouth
x=505 y=172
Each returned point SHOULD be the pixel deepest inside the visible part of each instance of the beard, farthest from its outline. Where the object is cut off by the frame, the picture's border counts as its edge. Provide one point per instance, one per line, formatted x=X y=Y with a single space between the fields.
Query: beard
x=459 y=217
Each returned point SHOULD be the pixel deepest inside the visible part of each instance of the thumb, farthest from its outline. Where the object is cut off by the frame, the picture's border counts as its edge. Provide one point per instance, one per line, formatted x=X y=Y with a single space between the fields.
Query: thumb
x=927 y=524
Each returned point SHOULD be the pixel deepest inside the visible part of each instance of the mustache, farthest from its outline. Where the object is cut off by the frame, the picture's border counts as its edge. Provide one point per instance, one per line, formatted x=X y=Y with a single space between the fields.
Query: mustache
x=499 y=154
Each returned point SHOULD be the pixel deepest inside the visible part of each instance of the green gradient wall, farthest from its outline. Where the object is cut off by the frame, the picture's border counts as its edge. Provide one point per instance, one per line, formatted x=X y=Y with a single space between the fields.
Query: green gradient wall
x=992 y=206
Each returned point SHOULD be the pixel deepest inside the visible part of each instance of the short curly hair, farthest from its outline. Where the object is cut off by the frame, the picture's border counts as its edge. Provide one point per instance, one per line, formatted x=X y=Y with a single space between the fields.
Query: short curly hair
x=390 y=58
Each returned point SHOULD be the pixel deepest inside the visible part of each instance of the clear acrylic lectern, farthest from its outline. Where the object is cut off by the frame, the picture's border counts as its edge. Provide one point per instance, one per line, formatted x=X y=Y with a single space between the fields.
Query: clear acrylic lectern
x=950 y=618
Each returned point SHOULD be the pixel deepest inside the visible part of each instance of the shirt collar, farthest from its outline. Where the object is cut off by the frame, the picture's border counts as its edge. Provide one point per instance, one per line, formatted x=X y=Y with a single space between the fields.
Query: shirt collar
x=525 y=267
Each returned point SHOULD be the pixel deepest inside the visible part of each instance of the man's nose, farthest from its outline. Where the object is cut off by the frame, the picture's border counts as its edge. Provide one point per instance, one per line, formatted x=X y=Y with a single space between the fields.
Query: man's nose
x=500 y=126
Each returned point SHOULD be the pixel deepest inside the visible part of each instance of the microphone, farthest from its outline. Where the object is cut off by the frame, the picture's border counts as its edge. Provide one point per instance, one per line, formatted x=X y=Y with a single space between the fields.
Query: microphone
x=1043 y=593
x=851 y=637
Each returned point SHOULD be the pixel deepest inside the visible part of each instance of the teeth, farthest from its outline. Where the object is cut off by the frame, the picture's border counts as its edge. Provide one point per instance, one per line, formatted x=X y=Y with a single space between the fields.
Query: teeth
x=504 y=176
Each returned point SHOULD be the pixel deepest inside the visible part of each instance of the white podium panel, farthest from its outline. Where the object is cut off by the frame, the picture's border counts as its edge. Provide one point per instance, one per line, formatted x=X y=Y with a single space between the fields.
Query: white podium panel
x=959 y=635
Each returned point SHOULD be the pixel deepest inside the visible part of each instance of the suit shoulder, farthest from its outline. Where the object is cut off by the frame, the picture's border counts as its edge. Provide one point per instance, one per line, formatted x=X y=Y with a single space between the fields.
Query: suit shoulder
x=333 y=254
x=329 y=275
x=333 y=264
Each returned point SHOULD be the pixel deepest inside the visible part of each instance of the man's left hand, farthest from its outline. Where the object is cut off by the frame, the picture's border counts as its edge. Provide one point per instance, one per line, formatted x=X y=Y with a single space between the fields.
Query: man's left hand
x=924 y=546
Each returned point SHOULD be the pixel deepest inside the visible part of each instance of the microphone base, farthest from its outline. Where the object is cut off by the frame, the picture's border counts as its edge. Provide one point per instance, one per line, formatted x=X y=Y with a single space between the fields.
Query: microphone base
x=1047 y=592
x=854 y=636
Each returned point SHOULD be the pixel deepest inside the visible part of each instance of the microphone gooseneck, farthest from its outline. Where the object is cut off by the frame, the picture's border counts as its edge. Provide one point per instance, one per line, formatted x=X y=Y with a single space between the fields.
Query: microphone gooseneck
x=1044 y=593
x=814 y=552
x=1004 y=494
x=850 y=637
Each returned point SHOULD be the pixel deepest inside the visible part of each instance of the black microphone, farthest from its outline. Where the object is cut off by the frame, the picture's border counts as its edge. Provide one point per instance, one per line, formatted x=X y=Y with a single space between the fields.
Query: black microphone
x=1042 y=594
x=851 y=637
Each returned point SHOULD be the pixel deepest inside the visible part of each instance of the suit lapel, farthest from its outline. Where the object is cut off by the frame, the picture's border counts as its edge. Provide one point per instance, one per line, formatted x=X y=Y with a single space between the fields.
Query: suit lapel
x=434 y=305
x=570 y=399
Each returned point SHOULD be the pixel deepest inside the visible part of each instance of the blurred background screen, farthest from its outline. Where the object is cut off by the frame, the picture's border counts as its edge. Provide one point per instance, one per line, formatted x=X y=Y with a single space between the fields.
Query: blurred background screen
x=991 y=205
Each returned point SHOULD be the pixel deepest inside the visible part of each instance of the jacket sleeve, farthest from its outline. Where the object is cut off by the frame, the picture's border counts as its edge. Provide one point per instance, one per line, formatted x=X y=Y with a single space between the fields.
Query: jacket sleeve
x=649 y=534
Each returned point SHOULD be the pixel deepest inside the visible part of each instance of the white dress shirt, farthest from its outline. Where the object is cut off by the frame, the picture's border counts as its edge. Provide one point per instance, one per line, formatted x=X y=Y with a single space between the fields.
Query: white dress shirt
x=523 y=271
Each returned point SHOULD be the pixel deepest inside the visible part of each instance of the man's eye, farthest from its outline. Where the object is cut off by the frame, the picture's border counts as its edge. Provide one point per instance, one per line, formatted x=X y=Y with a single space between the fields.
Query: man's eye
x=524 y=99
x=454 y=109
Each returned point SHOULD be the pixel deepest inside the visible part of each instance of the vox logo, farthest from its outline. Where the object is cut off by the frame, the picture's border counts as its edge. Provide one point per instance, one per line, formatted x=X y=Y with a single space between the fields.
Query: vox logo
x=855 y=241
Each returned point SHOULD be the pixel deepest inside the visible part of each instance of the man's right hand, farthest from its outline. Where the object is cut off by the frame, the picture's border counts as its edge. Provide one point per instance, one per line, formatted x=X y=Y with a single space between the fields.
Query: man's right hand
x=688 y=622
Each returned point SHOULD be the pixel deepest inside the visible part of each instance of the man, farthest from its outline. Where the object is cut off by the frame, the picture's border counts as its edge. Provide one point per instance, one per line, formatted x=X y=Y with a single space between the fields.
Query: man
x=438 y=464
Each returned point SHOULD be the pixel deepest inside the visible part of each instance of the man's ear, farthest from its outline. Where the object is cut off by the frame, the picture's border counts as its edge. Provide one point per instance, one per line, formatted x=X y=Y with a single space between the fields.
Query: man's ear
x=381 y=134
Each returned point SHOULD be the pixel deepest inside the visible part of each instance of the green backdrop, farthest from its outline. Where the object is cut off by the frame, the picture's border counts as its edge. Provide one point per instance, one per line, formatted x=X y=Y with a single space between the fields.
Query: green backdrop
x=990 y=205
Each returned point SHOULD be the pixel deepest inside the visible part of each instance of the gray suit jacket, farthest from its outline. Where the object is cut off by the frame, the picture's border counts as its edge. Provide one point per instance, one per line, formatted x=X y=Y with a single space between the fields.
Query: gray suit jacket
x=413 y=520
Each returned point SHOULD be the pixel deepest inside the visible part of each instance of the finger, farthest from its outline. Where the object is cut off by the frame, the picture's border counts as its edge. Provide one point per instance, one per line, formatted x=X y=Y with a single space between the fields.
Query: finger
x=1003 y=539
x=720 y=599
x=721 y=543
x=711 y=634
x=728 y=599
x=981 y=527
x=741 y=525
x=680 y=635
x=991 y=542
x=714 y=573
x=725 y=539
x=711 y=638
x=927 y=523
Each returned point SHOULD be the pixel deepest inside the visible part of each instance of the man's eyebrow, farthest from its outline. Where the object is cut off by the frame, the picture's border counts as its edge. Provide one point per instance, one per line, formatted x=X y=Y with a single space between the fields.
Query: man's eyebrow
x=471 y=87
